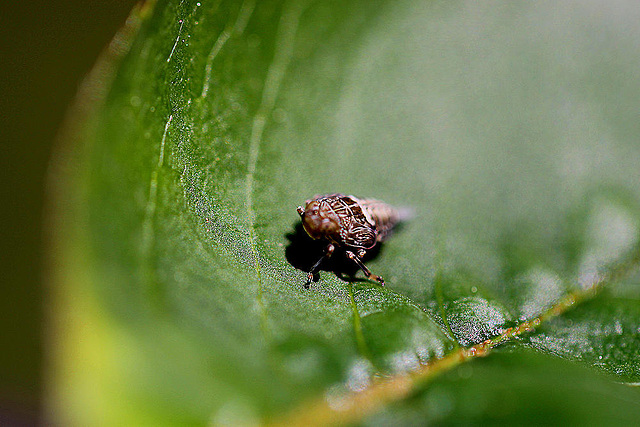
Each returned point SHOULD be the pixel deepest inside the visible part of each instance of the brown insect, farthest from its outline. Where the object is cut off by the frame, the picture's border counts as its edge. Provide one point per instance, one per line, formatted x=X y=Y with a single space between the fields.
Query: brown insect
x=348 y=222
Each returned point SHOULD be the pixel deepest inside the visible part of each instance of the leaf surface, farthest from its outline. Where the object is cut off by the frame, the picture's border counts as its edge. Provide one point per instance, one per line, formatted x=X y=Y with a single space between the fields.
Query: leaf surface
x=510 y=130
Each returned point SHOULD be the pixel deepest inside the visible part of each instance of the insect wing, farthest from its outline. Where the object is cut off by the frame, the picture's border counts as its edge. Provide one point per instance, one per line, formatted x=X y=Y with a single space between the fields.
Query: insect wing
x=359 y=236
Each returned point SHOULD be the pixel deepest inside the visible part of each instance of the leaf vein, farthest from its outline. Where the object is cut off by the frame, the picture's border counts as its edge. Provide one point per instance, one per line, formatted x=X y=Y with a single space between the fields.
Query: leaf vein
x=230 y=30
x=150 y=209
x=283 y=51
x=357 y=327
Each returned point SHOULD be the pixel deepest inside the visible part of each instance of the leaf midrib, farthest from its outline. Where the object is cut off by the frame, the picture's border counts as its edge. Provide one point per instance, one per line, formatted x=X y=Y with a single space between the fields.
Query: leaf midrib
x=355 y=406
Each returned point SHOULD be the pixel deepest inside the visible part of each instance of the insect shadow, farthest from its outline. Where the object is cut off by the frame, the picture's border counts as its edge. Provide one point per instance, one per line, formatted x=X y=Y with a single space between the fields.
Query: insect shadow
x=303 y=252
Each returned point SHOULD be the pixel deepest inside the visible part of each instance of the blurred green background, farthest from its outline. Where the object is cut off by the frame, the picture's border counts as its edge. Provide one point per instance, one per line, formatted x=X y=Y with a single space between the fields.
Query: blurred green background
x=47 y=48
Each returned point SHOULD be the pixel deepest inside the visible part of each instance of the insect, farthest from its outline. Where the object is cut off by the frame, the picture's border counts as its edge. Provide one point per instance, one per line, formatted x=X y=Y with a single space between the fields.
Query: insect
x=347 y=222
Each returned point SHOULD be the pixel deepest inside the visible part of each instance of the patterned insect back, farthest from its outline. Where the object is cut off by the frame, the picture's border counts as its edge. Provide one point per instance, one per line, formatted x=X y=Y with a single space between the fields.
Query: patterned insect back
x=356 y=229
x=348 y=222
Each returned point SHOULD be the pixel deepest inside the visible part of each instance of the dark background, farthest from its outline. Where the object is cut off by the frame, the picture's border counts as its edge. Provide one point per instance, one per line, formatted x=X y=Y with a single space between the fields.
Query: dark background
x=47 y=47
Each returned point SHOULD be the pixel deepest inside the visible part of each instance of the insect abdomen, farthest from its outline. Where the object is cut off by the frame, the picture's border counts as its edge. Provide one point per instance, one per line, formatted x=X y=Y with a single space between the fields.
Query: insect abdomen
x=383 y=215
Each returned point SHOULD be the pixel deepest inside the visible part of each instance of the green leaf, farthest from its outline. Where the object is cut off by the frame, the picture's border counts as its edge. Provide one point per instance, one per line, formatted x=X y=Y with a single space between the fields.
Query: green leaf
x=603 y=333
x=517 y=388
x=509 y=129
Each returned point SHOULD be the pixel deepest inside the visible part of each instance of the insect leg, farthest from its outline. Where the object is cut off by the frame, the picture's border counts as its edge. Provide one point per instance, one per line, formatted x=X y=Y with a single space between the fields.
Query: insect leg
x=328 y=251
x=364 y=268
